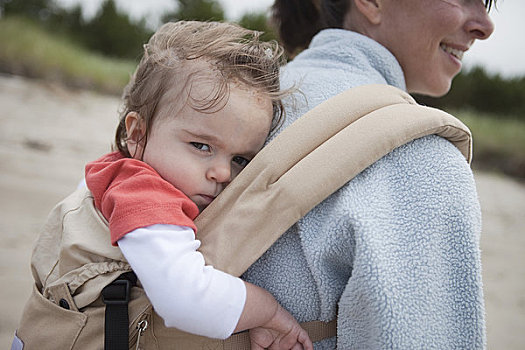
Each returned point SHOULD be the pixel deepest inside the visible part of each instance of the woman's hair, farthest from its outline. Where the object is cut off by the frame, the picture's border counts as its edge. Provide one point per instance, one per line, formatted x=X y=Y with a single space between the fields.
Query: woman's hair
x=298 y=21
x=231 y=55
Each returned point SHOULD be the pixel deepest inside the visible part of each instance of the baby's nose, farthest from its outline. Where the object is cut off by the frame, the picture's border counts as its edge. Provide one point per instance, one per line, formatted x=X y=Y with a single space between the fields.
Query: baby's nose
x=220 y=172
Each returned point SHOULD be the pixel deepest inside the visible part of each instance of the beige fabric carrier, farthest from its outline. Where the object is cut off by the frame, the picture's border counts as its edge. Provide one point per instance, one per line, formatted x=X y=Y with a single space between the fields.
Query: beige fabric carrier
x=73 y=259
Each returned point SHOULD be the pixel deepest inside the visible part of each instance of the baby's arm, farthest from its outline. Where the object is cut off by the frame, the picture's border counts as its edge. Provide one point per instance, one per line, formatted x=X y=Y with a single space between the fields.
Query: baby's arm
x=196 y=298
x=187 y=294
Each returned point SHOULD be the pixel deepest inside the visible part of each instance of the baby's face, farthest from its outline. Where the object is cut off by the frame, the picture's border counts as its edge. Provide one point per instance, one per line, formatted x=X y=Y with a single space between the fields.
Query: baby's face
x=201 y=152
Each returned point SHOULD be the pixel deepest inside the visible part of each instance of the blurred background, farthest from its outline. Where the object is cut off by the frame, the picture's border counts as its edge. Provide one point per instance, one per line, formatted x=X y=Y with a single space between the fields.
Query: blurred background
x=96 y=44
x=63 y=64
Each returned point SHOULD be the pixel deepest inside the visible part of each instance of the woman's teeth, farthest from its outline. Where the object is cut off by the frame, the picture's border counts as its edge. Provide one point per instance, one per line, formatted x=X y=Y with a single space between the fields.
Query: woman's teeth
x=454 y=52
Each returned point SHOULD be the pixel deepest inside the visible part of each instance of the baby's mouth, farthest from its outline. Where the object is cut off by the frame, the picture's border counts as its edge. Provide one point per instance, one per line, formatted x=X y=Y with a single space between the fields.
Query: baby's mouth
x=454 y=52
x=207 y=199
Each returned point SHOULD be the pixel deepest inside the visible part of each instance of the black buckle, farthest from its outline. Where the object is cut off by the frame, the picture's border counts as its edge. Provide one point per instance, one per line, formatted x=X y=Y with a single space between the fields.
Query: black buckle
x=117 y=293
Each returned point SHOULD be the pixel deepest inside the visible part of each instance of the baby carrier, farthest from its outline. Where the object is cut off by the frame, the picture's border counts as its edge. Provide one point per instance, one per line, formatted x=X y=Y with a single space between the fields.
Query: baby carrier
x=85 y=295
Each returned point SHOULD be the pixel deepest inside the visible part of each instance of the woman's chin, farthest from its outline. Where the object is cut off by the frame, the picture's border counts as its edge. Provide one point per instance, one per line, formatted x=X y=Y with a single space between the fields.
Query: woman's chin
x=433 y=90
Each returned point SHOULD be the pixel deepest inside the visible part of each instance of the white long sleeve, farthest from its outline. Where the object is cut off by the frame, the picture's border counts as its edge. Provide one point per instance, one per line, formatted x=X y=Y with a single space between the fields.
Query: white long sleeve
x=187 y=294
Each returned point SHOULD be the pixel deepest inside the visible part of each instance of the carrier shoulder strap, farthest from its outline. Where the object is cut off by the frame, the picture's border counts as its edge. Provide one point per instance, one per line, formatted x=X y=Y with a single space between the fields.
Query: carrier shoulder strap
x=310 y=160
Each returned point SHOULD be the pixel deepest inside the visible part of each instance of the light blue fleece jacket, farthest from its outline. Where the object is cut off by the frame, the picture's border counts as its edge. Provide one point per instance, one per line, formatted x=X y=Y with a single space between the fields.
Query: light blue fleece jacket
x=394 y=254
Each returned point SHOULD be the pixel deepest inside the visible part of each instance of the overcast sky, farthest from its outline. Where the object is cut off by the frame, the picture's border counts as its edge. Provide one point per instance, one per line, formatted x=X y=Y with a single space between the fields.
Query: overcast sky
x=503 y=52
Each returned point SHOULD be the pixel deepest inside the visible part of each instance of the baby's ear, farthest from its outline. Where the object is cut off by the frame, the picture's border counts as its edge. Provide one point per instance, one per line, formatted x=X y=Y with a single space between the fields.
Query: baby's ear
x=135 y=131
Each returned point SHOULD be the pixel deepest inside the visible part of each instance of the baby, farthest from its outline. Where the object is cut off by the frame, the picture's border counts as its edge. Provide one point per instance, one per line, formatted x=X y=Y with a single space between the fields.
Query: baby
x=197 y=110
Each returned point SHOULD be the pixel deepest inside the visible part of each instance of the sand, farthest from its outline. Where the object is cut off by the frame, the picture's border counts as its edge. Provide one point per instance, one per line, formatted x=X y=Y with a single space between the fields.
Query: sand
x=49 y=132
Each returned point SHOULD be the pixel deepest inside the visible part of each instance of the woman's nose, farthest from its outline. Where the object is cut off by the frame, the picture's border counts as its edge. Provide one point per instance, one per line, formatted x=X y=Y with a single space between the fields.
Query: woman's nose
x=219 y=171
x=480 y=25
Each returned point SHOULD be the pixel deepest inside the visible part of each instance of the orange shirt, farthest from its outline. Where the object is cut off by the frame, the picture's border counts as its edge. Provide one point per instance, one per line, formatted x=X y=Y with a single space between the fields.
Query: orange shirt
x=131 y=194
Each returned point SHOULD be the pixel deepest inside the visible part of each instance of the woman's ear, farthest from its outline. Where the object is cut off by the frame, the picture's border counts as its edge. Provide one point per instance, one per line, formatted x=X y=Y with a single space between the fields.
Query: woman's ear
x=370 y=9
x=135 y=131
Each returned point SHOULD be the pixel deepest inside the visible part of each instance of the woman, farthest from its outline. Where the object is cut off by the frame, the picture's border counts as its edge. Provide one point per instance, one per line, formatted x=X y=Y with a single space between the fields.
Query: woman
x=394 y=254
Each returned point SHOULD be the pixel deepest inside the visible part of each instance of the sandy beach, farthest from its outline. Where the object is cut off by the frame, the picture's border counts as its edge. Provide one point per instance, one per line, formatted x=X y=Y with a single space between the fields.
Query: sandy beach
x=49 y=132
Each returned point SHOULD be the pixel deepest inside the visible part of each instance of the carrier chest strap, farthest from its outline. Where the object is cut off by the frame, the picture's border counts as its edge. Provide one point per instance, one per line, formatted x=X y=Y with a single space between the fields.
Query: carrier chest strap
x=116 y=296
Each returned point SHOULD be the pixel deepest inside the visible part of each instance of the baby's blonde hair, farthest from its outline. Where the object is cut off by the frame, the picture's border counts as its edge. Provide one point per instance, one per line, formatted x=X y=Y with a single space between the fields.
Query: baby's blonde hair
x=235 y=54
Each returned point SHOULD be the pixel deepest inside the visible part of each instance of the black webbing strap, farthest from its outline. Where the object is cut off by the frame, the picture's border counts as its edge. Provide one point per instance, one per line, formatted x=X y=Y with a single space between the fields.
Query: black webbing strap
x=116 y=296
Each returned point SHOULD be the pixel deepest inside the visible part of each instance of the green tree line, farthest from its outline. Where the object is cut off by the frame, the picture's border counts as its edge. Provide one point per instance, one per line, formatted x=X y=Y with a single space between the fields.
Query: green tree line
x=113 y=33
x=478 y=90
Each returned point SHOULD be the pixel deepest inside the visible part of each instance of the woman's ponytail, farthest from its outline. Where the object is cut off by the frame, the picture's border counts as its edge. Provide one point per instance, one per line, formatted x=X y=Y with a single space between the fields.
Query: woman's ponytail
x=298 y=21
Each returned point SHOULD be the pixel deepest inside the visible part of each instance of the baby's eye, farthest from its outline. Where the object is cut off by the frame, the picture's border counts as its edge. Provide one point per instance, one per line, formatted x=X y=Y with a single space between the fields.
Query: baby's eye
x=241 y=161
x=200 y=146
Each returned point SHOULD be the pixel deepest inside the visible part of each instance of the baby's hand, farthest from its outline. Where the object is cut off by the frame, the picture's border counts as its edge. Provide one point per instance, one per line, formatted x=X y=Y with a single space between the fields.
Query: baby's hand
x=281 y=332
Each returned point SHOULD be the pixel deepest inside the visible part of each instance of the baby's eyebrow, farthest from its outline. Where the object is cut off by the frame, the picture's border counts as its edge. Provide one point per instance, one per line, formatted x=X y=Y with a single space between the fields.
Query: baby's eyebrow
x=203 y=136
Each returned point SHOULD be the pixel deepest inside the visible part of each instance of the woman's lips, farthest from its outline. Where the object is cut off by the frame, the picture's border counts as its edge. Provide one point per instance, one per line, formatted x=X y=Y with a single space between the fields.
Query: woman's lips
x=457 y=53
